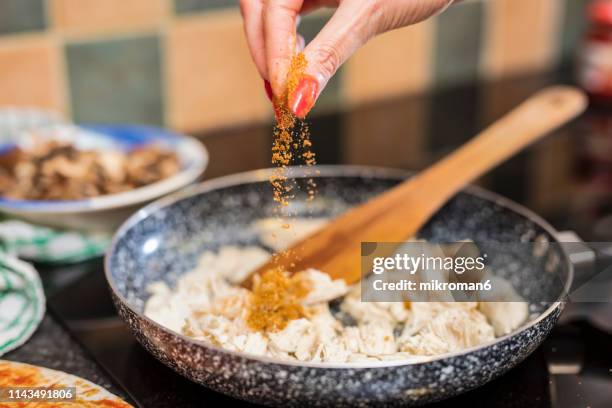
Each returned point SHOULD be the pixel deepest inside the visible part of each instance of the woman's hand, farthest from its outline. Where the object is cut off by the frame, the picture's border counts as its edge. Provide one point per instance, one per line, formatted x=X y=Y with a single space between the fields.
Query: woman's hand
x=270 y=27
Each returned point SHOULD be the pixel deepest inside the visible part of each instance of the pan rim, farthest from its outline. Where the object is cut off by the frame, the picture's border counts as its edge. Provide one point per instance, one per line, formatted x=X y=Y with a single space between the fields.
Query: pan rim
x=337 y=171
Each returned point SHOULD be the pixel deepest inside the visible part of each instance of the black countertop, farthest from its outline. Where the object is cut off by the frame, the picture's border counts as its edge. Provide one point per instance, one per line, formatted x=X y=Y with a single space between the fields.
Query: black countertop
x=567 y=179
x=53 y=347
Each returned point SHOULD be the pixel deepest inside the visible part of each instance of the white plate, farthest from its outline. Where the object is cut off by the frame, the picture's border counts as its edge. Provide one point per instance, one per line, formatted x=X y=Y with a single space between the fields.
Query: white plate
x=105 y=213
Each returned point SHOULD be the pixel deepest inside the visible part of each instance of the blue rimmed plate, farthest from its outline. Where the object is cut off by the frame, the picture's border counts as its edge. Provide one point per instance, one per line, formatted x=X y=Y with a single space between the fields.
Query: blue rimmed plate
x=105 y=213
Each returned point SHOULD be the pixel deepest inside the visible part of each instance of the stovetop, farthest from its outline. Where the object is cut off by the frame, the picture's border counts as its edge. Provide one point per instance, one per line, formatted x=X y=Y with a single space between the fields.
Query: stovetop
x=573 y=368
x=567 y=179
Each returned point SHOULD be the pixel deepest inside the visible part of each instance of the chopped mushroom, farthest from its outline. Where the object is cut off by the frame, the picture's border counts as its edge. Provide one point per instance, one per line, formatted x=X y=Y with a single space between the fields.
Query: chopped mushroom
x=59 y=171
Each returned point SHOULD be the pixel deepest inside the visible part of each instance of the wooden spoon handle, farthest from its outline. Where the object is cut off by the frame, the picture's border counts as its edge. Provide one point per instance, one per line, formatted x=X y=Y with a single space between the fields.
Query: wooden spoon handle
x=399 y=213
x=531 y=120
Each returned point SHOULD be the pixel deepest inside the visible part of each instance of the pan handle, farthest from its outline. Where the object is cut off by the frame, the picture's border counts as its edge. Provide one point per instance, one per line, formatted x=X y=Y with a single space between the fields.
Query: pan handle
x=590 y=297
x=592 y=262
x=566 y=358
x=581 y=255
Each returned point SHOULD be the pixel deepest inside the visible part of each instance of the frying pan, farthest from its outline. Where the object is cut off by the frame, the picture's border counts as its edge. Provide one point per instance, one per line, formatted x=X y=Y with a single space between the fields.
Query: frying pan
x=163 y=241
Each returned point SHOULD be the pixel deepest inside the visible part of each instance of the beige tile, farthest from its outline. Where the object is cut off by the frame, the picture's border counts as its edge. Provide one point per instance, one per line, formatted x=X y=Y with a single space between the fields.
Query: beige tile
x=499 y=98
x=520 y=36
x=552 y=167
x=395 y=63
x=211 y=80
x=389 y=134
x=89 y=16
x=30 y=73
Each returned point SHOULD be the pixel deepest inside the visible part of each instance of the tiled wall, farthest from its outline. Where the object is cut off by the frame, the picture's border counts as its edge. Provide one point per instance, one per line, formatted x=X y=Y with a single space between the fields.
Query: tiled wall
x=184 y=63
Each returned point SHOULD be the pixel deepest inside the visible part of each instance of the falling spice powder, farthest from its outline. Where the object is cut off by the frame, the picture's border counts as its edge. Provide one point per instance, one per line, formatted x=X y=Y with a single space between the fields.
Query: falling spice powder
x=275 y=298
x=291 y=146
x=291 y=140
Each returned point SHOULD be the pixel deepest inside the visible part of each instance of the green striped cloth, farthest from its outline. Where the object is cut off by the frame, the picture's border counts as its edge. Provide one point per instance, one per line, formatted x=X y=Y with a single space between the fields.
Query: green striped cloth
x=42 y=244
x=22 y=302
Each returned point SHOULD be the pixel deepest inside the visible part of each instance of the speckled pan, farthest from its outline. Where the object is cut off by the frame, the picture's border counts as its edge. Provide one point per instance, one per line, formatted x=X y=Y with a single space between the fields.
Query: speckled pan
x=163 y=241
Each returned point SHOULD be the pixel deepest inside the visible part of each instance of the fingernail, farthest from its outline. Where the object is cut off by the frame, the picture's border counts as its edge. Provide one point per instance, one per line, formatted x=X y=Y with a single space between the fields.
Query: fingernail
x=268 y=88
x=304 y=96
x=300 y=43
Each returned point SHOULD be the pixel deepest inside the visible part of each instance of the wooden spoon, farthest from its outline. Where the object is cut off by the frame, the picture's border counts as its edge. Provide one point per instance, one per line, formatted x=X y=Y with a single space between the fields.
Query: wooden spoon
x=399 y=213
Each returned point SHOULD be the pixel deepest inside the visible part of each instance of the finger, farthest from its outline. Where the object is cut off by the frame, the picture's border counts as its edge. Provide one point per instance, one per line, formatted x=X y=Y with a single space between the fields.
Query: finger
x=399 y=14
x=252 y=15
x=349 y=28
x=280 y=38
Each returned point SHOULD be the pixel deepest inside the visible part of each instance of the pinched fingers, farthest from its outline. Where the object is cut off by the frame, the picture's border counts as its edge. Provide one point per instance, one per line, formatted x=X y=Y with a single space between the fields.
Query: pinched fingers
x=280 y=19
x=352 y=25
x=252 y=16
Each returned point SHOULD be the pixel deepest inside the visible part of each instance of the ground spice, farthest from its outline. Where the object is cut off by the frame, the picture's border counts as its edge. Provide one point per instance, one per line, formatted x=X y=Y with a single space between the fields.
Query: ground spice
x=291 y=146
x=275 y=301
x=291 y=140
x=275 y=297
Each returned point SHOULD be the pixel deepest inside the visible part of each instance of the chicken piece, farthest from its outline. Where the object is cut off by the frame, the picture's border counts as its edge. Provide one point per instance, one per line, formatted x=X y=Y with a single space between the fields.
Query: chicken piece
x=217 y=329
x=321 y=287
x=505 y=309
x=363 y=312
x=233 y=263
x=424 y=312
x=451 y=330
x=505 y=317
x=299 y=338
x=279 y=234
x=376 y=338
x=250 y=342
x=164 y=308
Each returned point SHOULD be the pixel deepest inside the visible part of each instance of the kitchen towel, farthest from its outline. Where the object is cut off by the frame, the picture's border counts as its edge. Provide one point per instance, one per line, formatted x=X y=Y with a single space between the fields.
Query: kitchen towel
x=42 y=244
x=22 y=302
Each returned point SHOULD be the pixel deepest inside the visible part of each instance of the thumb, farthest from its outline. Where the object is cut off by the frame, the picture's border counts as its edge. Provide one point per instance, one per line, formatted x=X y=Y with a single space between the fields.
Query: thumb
x=348 y=29
x=352 y=25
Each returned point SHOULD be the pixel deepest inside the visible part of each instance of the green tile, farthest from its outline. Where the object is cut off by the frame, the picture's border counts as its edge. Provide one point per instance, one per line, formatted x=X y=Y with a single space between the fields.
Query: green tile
x=116 y=80
x=313 y=23
x=574 y=26
x=458 y=43
x=330 y=99
x=21 y=15
x=194 y=6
